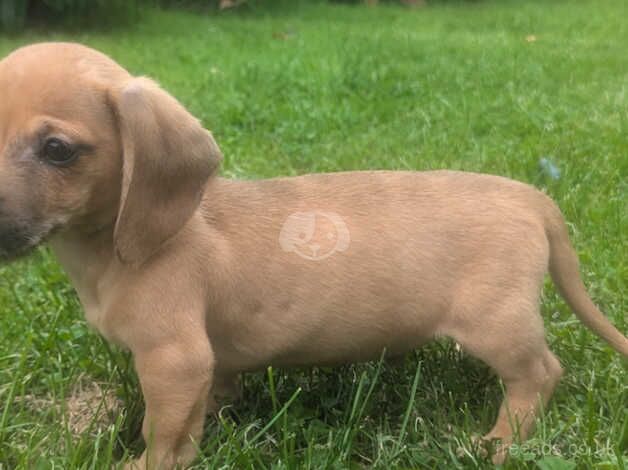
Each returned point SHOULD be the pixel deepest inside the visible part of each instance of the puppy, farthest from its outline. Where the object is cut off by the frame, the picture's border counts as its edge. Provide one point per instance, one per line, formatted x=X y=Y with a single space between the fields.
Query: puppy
x=202 y=278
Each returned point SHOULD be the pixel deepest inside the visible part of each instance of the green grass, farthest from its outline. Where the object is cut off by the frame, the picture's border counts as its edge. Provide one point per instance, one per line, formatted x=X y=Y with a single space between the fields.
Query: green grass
x=312 y=88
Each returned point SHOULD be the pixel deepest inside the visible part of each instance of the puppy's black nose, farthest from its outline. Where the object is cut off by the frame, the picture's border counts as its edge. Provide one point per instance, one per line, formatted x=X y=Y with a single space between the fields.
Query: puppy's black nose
x=12 y=240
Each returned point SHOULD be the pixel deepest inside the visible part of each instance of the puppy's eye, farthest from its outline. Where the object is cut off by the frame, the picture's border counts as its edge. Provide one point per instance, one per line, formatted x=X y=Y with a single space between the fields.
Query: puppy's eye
x=58 y=152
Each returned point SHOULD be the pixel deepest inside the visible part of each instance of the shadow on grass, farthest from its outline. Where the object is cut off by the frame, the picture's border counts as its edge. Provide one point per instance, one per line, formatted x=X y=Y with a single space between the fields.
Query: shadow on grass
x=454 y=391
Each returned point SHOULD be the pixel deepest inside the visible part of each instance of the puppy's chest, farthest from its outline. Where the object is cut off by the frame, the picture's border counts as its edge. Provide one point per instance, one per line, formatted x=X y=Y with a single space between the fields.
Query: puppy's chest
x=95 y=311
x=93 y=314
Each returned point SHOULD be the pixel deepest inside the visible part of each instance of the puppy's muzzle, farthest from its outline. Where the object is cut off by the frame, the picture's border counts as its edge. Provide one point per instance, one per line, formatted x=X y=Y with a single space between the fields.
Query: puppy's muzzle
x=13 y=241
x=17 y=240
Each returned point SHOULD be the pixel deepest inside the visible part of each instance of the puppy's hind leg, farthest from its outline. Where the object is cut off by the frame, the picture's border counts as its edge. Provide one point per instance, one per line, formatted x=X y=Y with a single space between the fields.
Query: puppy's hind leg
x=511 y=341
x=226 y=389
x=529 y=384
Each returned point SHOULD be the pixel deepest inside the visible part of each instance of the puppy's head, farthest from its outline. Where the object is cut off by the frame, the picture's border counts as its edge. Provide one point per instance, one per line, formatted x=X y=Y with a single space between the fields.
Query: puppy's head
x=85 y=146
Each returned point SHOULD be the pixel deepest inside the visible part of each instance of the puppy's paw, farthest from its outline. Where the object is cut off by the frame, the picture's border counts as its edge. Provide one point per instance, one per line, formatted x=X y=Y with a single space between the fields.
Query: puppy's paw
x=497 y=448
x=135 y=464
x=486 y=447
x=226 y=389
x=476 y=447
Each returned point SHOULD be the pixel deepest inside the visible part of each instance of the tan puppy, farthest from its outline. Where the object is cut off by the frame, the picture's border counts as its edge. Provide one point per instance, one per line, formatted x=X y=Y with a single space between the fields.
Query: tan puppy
x=203 y=278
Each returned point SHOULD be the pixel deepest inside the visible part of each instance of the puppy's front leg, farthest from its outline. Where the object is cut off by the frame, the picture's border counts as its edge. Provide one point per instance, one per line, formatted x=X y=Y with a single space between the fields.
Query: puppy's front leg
x=175 y=379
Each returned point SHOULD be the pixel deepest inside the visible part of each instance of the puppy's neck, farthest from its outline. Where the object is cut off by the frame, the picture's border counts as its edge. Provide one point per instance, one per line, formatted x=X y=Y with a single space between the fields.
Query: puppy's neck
x=85 y=257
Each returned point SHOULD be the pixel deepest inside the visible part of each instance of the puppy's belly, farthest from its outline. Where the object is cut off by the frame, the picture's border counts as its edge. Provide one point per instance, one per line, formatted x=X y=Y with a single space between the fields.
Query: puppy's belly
x=356 y=347
x=327 y=338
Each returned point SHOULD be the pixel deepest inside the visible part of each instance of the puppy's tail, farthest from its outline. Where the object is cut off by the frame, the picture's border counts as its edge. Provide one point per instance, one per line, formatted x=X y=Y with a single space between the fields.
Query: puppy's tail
x=563 y=266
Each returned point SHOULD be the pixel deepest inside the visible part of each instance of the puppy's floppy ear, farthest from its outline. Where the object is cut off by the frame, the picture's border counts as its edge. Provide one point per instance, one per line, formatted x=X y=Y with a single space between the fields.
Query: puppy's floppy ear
x=167 y=159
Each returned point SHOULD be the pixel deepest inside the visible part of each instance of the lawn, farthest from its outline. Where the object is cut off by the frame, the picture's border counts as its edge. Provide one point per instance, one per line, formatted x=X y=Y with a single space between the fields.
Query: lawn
x=489 y=86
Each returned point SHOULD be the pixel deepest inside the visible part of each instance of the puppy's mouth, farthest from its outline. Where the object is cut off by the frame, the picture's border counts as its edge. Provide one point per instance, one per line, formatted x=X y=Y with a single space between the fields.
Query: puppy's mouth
x=17 y=241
